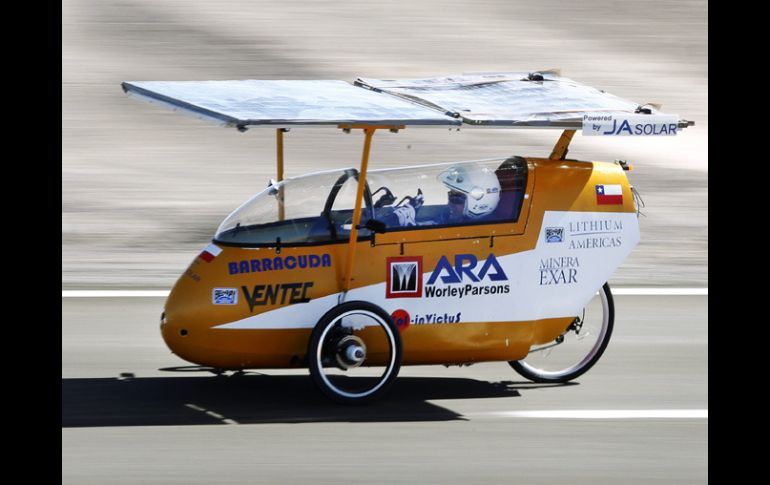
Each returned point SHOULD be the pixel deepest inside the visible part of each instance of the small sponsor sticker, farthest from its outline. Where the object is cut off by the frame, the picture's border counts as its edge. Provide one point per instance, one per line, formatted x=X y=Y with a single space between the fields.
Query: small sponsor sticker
x=404 y=278
x=401 y=318
x=602 y=124
x=224 y=296
x=554 y=234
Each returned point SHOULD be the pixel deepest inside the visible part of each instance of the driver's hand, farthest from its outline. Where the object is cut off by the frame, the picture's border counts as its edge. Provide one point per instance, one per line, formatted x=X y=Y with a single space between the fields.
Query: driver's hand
x=405 y=214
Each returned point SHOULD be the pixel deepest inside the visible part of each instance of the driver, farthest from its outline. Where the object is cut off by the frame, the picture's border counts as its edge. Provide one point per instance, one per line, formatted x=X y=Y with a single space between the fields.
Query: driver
x=474 y=192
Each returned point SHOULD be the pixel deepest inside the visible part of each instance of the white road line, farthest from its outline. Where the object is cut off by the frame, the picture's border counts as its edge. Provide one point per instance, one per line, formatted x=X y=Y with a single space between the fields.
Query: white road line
x=164 y=293
x=211 y=413
x=661 y=291
x=113 y=293
x=605 y=414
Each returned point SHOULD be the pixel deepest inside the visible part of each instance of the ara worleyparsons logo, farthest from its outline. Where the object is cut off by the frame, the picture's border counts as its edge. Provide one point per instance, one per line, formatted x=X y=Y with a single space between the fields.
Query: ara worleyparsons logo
x=404 y=277
x=466 y=277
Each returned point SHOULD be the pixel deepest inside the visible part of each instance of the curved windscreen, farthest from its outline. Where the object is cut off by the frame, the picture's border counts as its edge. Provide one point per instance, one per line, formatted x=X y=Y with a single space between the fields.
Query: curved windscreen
x=291 y=211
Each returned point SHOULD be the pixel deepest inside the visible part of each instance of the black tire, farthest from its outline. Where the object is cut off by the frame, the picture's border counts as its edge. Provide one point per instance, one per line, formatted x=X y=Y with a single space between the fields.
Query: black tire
x=324 y=348
x=538 y=373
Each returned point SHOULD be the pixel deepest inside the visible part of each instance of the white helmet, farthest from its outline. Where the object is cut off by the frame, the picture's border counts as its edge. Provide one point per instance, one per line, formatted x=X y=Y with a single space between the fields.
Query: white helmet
x=479 y=185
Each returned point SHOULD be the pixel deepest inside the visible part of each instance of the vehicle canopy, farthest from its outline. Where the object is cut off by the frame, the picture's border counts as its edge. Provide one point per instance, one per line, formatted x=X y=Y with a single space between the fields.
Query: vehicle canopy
x=318 y=207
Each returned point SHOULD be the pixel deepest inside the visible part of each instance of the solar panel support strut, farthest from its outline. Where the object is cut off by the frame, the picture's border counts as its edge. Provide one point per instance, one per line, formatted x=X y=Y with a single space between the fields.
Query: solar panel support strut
x=561 y=148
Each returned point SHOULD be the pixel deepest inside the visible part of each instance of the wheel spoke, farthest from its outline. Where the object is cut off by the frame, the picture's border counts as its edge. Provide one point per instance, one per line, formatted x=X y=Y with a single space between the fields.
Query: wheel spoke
x=582 y=344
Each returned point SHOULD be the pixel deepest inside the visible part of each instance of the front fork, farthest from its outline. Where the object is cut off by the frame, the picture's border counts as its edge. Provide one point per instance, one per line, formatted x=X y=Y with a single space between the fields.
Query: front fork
x=576 y=325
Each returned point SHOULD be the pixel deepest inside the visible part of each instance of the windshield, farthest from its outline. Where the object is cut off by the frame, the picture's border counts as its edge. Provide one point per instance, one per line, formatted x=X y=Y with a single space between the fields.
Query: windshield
x=295 y=211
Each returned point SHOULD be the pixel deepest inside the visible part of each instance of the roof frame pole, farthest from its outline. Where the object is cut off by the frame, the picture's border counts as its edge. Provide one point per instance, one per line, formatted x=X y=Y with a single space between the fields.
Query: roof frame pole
x=561 y=148
x=279 y=169
x=368 y=134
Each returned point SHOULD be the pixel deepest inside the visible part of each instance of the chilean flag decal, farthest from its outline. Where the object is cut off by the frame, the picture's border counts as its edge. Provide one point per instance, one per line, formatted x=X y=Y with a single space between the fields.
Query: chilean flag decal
x=609 y=194
x=210 y=252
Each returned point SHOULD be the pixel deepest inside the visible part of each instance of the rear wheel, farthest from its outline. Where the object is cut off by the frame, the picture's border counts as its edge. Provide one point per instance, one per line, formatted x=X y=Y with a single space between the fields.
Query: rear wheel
x=577 y=349
x=354 y=353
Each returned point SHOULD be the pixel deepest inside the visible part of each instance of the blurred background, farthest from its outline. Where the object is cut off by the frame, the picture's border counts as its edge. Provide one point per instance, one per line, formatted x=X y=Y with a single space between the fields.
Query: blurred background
x=144 y=189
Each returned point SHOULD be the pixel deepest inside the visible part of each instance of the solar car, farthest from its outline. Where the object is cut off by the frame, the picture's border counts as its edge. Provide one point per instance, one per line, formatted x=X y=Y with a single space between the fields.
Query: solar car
x=352 y=273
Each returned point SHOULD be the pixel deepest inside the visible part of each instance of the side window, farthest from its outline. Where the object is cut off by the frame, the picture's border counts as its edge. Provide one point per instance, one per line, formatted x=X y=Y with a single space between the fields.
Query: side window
x=454 y=194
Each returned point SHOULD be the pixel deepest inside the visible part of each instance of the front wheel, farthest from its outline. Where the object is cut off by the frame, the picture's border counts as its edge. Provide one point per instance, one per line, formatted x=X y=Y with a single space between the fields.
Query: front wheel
x=354 y=353
x=577 y=349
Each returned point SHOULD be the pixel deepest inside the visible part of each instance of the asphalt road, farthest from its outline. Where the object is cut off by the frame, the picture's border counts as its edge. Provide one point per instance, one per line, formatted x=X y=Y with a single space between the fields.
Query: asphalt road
x=134 y=413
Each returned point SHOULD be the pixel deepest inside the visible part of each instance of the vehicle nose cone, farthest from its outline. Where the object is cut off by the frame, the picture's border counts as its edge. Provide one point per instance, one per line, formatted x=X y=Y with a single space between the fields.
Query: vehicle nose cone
x=175 y=323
